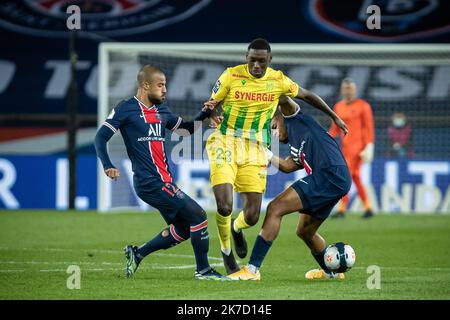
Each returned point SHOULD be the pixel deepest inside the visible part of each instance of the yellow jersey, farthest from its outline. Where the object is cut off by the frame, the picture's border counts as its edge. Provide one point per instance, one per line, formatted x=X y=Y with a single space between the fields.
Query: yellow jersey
x=248 y=102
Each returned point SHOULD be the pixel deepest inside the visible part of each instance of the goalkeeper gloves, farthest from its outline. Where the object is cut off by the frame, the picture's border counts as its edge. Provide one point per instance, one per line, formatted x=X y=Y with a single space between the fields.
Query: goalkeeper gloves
x=367 y=154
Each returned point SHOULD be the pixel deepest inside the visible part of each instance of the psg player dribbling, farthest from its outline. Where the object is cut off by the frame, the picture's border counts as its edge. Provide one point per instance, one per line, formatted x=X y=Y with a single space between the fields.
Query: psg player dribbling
x=142 y=121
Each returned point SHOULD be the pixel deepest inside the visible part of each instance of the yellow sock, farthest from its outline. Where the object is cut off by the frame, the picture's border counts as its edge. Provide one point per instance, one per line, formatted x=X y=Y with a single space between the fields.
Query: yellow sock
x=223 y=226
x=240 y=223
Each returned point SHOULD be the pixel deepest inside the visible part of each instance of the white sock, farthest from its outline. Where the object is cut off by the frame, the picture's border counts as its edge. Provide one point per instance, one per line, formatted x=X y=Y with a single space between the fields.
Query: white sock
x=234 y=228
x=252 y=268
x=226 y=251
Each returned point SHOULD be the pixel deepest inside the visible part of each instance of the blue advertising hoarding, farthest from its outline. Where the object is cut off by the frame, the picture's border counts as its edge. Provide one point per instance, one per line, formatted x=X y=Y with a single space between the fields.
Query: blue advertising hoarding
x=395 y=185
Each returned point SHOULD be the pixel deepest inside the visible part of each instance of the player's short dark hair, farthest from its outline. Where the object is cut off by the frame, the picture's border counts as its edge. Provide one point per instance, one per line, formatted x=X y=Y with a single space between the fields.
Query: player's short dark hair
x=146 y=72
x=348 y=81
x=259 y=44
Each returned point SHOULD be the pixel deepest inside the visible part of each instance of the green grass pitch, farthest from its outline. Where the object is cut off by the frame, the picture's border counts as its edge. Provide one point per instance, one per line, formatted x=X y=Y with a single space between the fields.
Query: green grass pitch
x=37 y=247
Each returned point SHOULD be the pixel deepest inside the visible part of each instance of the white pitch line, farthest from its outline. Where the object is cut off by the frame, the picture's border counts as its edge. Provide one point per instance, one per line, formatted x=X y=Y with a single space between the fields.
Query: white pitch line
x=155 y=266
x=147 y=266
x=64 y=270
x=184 y=256
x=408 y=268
x=56 y=262
x=176 y=255
x=169 y=266
x=61 y=262
x=104 y=251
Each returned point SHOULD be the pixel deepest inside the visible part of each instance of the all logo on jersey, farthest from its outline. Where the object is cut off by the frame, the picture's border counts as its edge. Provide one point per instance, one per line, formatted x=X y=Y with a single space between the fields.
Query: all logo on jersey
x=105 y=17
x=154 y=129
x=154 y=133
x=400 y=20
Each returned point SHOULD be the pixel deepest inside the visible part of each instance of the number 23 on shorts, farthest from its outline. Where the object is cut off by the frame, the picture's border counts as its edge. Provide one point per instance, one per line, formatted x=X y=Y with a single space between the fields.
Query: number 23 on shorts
x=222 y=156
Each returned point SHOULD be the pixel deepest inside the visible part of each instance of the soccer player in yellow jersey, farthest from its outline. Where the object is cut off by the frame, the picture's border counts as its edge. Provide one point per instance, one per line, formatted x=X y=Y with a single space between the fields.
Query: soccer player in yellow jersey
x=236 y=150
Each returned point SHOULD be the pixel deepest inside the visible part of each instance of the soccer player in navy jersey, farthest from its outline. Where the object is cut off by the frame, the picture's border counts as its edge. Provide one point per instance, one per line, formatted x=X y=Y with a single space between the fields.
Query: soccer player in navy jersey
x=142 y=121
x=314 y=196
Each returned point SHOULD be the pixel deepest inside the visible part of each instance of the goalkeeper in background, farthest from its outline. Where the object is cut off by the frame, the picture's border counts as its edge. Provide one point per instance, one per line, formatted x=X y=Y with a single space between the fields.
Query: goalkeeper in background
x=357 y=146
x=249 y=95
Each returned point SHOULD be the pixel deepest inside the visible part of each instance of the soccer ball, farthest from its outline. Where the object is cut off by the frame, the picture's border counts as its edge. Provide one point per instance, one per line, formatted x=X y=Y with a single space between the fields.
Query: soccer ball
x=339 y=257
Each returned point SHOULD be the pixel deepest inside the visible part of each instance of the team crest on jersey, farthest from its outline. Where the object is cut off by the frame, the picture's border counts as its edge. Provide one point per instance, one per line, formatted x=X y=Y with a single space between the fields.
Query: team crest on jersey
x=292 y=88
x=400 y=20
x=105 y=17
x=270 y=85
x=217 y=86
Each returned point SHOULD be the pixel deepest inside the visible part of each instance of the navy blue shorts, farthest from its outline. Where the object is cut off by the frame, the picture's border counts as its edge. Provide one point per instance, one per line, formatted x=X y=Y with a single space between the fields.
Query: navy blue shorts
x=321 y=191
x=166 y=197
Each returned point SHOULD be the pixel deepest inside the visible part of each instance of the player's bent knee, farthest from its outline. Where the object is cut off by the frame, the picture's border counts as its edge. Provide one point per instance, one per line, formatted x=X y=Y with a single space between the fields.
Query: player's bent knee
x=193 y=213
x=198 y=217
x=251 y=219
x=224 y=209
x=304 y=234
x=273 y=209
x=201 y=214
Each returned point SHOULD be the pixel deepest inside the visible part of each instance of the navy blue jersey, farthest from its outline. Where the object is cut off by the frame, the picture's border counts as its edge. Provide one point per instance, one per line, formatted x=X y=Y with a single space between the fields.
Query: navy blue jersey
x=143 y=132
x=311 y=145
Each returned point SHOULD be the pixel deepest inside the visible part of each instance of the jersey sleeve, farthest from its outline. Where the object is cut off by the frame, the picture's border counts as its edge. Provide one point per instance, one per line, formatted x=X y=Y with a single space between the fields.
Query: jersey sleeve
x=290 y=88
x=173 y=121
x=116 y=118
x=368 y=134
x=222 y=86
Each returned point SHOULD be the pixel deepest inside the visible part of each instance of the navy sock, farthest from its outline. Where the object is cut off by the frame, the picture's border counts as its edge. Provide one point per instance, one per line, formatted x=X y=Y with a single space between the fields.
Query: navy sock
x=319 y=258
x=200 y=244
x=159 y=242
x=260 y=249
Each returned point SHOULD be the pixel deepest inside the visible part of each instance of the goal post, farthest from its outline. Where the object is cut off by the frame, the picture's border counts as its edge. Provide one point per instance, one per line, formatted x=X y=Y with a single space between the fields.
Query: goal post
x=408 y=78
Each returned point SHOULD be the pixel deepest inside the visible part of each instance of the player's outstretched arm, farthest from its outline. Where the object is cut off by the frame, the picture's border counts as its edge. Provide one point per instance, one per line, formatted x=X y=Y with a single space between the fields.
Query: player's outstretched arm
x=101 y=140
x=288 y=106
x=287 y=165
x=317 y=102
x=190 y=126
x=215 y=117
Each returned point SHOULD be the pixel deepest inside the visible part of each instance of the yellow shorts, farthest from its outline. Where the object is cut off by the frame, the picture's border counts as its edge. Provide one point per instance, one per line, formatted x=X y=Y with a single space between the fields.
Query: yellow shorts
x=238 y=161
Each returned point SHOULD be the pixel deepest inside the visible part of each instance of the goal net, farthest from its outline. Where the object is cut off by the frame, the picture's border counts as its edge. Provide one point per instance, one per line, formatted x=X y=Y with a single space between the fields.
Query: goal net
x=399 y=81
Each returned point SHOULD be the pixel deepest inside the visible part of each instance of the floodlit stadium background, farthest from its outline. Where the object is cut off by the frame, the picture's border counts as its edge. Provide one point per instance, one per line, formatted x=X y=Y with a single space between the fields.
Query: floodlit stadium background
x=34 y=90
